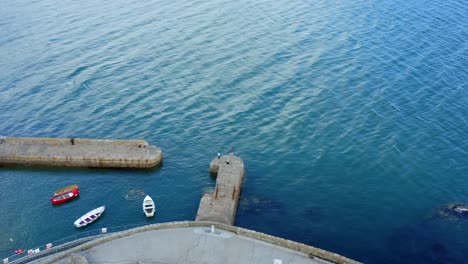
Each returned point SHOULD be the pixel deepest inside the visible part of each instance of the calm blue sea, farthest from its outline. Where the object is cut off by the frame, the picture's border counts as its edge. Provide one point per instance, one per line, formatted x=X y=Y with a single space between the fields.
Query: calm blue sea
x=350 y=116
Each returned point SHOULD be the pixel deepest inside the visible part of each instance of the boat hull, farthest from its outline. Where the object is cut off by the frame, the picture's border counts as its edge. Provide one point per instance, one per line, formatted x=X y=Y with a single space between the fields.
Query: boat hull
x=89 y=217
x=148 y=206
x=65 y=197
x=151 y=214
x=66 y=189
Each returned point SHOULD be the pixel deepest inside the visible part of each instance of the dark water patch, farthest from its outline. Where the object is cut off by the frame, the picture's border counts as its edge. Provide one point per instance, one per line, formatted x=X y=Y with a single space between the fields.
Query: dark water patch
x=419 y=244
x=259 y=205
x=314 y=213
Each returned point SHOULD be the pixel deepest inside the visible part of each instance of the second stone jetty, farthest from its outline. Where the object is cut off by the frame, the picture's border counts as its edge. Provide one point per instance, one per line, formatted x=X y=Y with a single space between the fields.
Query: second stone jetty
x=76 y=152
x=221 y=205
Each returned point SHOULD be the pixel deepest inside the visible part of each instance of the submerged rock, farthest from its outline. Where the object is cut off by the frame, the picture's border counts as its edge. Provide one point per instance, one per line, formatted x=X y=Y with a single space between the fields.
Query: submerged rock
x=258 y=205
x=461 y=209
x=419 y=243
x=314 y=213
x=135 y=194
x=454 y=210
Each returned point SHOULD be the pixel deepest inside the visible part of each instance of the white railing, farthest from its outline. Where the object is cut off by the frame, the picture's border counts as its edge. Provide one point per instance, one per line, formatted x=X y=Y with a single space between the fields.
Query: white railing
x=62 y=244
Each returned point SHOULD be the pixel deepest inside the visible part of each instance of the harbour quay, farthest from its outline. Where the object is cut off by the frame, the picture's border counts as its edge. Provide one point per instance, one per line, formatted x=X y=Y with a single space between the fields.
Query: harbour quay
x=189 y=242
x=221 y=204
x=77 y=152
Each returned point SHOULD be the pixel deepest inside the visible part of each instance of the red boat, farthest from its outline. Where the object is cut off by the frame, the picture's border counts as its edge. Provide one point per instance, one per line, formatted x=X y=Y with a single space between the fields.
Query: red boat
x=65 y=194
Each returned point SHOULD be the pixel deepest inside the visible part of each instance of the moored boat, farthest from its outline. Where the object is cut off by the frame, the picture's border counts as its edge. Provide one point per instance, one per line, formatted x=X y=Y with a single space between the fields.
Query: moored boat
x=148 y=206
x=89 y=217
x=65 y=194
x=64 y=197
x=66 y=189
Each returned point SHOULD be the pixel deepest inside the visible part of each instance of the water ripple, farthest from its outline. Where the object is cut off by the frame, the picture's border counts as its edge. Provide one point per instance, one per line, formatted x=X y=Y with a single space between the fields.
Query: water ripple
x=338 y=108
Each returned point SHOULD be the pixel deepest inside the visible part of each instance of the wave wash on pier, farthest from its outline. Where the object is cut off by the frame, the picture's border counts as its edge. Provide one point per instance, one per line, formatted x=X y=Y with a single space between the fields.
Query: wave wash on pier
x=75 y=152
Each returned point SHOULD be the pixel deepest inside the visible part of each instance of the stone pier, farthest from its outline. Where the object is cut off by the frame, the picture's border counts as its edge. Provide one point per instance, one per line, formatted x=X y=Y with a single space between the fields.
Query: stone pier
x=221 y=204
x=67 y=152
x=188 y=242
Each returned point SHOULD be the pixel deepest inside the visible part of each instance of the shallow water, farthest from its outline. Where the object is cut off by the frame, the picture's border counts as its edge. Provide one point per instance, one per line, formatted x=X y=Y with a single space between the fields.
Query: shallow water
x=350 y=116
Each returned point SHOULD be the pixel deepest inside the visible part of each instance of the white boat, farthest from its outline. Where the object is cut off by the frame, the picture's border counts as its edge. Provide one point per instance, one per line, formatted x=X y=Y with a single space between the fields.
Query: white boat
x=148 y=206
x=89 y=217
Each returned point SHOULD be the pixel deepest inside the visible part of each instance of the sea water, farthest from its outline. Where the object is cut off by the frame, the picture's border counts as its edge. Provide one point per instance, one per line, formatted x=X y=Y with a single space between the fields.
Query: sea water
x=350 y=116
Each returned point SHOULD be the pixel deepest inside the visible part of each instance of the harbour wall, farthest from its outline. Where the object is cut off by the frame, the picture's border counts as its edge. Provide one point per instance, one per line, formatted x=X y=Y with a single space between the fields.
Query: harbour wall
x=221 y=204
x=312 y=252
x=76 y=152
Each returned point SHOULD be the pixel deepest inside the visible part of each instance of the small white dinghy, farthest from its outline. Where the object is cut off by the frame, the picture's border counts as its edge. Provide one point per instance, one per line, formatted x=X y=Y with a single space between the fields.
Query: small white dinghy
x=89 y=217
x=148 y=206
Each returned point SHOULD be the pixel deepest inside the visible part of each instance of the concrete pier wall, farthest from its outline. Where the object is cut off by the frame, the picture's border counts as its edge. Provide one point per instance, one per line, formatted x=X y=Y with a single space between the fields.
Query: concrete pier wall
x=60 y=152
x=185 y=242
x=221 y=205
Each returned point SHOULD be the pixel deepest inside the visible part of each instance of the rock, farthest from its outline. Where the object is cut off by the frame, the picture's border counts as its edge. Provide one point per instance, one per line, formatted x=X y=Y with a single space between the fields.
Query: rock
x=461 y=209
x=454 y=211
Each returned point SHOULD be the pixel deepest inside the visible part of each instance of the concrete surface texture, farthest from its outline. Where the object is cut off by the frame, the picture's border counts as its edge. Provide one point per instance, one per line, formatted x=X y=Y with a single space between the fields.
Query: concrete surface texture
x=188 y=242
x=67 y=152
x=190 y=245
x=74 y=259
x=221 y=205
